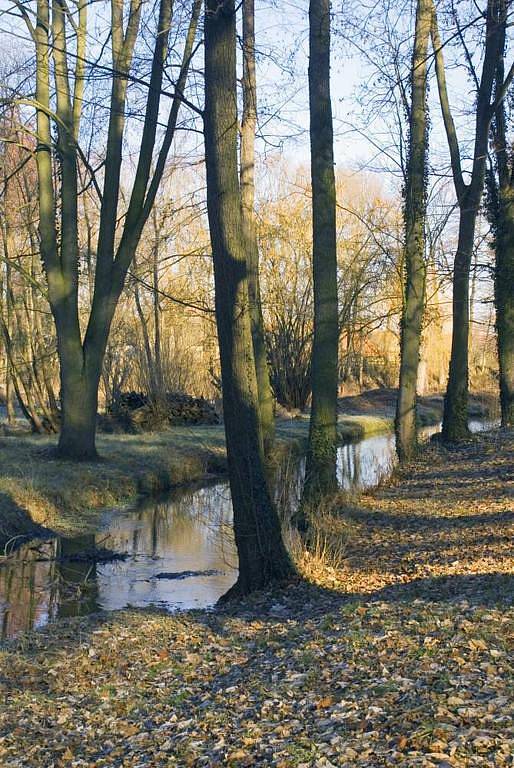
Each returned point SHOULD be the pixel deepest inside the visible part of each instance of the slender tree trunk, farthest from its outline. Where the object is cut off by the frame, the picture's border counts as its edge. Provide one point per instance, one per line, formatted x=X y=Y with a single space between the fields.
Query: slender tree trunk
x=9 y=405
x=321 y=454
x=247 y=174
x=146 y=339
x=504 y=300
x=262 y=555
x=415 y=267
x=157 y=316
x=503 y=224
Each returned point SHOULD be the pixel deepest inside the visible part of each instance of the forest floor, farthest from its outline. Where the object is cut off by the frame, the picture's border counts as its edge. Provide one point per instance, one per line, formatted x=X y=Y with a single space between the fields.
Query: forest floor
x=36 y=489
x=400 y=656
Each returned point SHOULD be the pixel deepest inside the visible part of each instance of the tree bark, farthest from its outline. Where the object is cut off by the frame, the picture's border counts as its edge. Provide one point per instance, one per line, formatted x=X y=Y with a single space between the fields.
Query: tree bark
x=455 y=415
x=262 y=555
x=504 y=299
x=469 y=195
x=321 y=455
x=79 y=405
x=247 y=180
x=503 y=226
x=414 y=258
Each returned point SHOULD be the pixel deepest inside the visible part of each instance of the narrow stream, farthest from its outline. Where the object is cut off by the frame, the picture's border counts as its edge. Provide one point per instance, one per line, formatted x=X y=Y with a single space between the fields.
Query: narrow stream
x=173 y=553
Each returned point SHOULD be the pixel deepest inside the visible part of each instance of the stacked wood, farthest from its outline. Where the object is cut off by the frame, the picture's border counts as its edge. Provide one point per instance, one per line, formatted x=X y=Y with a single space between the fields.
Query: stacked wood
x=138 y=413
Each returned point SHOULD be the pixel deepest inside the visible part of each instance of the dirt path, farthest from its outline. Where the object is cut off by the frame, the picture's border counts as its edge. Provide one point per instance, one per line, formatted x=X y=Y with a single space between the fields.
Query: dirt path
x=403 y=657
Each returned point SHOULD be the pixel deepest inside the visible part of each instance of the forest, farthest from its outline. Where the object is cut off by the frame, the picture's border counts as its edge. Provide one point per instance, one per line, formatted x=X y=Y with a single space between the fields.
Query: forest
x=256 y=383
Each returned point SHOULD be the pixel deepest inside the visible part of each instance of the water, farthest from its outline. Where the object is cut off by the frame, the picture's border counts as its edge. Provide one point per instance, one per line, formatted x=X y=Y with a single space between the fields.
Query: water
x=173 y=553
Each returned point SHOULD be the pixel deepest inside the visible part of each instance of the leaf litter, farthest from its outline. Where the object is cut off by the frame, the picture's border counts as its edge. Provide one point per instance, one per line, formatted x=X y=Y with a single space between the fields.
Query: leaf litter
x=401 y=657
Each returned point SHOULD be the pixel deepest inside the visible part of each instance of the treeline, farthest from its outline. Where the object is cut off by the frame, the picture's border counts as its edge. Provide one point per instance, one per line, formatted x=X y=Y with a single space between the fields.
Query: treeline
x=89 y=225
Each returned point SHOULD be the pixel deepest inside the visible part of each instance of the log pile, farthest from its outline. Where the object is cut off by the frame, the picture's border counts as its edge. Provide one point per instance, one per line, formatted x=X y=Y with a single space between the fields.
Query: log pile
x=138 y=413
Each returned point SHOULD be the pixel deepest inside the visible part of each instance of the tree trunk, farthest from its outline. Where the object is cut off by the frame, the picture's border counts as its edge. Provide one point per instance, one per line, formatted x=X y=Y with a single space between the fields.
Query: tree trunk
x=455 y=416
x=262 y=555
x=503 y=225
x=159 y=378
x=79 y=405
x=504 y=300
x=9 y=405
x=321 y=455
x=247 y=174
x=415 y=268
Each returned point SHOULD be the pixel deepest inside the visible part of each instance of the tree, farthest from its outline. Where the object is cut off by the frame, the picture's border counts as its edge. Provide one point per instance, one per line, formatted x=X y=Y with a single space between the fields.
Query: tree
x=321 y=453
x=247 y=180
x=502 y=216
x=469 y=196
x=81 y=354
x=414 y=250
x=262 y=554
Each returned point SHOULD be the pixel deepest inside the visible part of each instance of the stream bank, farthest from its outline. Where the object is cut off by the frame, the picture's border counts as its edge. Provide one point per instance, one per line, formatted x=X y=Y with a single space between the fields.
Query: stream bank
x=39 y=492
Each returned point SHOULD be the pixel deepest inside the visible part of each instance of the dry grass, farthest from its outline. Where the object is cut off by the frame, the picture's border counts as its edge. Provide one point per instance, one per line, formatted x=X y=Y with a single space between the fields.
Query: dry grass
x=324 y=551
x=36 y=488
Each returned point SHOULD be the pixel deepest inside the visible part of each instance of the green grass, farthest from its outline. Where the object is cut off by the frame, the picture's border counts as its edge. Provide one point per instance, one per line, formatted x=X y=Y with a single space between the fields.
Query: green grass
x=349 y=429
x=37 y=490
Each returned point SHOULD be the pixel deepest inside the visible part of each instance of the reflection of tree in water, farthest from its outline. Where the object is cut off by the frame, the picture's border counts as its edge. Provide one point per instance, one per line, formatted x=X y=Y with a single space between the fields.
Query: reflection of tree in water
x=76 y=576
x=188 y=520
x=26 y=595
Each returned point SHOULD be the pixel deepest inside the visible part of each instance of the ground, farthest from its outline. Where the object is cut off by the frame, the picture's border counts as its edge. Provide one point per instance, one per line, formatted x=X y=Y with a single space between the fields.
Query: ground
x=38 y=490
x=399 y=656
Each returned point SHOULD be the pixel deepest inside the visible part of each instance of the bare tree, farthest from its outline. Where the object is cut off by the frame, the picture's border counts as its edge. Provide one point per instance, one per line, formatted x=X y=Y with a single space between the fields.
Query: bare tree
x=81 y=354
x=469 y=196
x=247 y=179
x=502 y=218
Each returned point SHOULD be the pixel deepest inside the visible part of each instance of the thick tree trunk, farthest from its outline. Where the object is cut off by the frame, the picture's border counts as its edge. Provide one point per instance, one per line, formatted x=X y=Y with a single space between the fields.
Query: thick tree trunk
x=455 y=417
x=247 y=178
x=79 y=406
x=262 y=555
x=321 y=455
x=504 y=299
x=415 y=268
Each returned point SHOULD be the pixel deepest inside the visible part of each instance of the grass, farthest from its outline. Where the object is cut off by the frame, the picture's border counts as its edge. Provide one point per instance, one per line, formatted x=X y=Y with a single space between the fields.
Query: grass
x=39 y=492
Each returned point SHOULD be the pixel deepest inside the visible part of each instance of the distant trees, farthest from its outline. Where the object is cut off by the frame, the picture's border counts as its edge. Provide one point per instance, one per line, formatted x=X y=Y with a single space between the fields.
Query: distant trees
x=262 y=554
x=320 y=473
x=414 y=254
x=26 y=333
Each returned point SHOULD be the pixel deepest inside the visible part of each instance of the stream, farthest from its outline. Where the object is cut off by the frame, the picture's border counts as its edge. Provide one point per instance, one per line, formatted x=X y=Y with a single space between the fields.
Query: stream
x=172 y=553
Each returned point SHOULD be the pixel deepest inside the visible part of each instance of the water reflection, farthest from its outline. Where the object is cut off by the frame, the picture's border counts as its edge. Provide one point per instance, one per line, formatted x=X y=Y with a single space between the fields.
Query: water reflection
x=174 y=553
